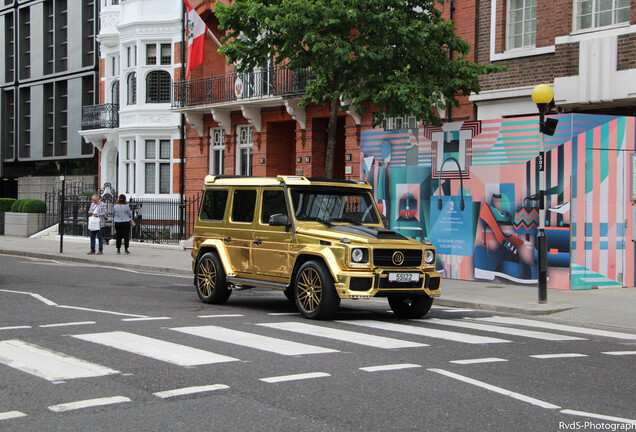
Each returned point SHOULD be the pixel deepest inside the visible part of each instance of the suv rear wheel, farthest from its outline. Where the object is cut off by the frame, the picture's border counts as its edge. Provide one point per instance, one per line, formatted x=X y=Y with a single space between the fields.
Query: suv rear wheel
x=314 y=291
x=210 y=282
x=411 y=307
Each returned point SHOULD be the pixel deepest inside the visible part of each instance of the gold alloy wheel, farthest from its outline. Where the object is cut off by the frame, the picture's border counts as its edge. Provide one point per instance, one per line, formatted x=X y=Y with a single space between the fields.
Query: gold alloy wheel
x=309 y=289
x=206 y=277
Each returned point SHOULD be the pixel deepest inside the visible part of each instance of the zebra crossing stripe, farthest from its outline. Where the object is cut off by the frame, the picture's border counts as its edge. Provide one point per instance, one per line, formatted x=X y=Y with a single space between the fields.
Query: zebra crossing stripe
x=89 y=403
x=295 y=377
x=561 y=327
x=390 y=367
x=154 y=348
x=343 y=335
x=11 y=415
x=478 y=361
x=504 y=330
x=190 y=390
x=426 y=331
x=251 y=340
x=47 y=364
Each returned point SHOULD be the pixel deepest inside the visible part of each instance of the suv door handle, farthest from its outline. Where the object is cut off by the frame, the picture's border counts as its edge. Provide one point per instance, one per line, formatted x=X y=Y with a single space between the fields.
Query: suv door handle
x=227 y=239
x=258 y=242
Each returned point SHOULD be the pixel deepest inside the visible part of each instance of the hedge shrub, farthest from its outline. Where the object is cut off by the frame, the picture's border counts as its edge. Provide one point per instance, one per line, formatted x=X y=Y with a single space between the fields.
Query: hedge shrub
x=28 y=206
x=34 y=206
x=6 y=203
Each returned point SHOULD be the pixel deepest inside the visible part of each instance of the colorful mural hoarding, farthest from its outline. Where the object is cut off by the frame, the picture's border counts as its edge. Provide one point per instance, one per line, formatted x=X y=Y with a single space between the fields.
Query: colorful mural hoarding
x=471 y=189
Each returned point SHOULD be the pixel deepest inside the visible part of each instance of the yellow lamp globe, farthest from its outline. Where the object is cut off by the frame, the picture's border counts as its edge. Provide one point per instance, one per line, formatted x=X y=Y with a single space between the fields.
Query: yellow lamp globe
x=542 y=94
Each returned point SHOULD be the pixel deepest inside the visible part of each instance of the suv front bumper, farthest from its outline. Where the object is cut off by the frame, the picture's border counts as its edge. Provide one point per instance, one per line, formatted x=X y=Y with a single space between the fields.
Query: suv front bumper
x=358 y=285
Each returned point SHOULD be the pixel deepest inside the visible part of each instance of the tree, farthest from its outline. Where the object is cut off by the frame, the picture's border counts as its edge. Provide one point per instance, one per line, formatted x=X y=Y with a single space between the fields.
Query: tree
x=391 y=53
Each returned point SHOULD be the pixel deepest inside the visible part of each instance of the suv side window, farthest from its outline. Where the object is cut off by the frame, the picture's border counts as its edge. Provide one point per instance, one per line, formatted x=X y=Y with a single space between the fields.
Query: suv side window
x=213 y=204
x=244 y=205
x=273 y=203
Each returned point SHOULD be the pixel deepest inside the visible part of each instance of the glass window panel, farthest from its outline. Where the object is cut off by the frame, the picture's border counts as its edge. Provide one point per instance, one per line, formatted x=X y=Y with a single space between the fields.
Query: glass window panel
x=166 y=54
x=243 y=205
x=584 y=7
x=622 y=15
x=150 y=178
x=164 y=149
x=150 y=149
x=151 y=54
x=603 y=5
x=604 y=19
x=164 y=178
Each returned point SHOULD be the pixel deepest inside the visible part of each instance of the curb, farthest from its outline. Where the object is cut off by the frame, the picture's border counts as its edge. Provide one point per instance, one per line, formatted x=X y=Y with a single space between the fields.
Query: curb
x=499 y=308
x=101 y=263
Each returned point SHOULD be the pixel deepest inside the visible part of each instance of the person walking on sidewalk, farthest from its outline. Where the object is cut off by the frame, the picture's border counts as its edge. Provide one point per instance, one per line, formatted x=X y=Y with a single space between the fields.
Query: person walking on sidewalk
x=122 y=216
x=98 y=208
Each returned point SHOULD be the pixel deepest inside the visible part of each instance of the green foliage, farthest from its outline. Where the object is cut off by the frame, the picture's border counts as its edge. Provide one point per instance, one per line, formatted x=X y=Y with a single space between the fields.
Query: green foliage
x=392 y=53
x=33 y=206
x=88 y=192
x=28 y=206
x=6 y=203
x=17 y=205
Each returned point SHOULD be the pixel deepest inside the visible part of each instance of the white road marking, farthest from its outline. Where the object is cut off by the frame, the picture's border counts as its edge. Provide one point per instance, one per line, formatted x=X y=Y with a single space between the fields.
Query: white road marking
x=251 y=340
x=459 y=310
x=343 y=335
x=283 y=313
x=34 y=295
x=496 y=389
x=154 y=348
x=389 y=367
x=147 y=319
x=15 y=328
x=101 y=311
x=68 y=324
x=553 y=356
x=479 y=360
x=89 y=403
x=11 y=415
x=50 y=365
x=295 y=377
x=561 y=327
x=190 y=390
x=220 y=316
x=504 y=330
x=599 y=416
x=425 y=331
x=619 y=353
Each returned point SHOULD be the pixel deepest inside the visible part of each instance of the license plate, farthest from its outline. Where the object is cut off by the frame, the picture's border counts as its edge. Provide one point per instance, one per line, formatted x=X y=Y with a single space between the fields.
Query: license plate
x=404 y=277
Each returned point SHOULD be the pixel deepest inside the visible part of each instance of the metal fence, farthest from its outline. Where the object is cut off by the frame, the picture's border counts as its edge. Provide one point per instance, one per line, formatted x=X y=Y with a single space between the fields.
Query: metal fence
x=264 y=82
x=162 y=221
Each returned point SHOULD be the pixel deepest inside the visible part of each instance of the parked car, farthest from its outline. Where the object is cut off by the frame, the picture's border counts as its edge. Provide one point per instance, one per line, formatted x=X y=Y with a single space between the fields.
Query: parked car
x=318 y=241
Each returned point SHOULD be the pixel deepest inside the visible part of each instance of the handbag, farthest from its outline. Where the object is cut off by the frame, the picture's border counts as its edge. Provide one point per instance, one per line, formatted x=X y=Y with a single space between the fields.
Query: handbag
x=133 y=223
x=94 y=223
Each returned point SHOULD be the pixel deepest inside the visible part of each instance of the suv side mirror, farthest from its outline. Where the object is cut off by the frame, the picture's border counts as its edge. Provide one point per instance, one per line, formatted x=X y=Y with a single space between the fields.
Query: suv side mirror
x=279 y=219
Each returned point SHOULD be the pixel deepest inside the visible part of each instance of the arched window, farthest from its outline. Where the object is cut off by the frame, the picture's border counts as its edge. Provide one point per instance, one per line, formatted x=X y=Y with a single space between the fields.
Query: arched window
x=132 y=88
x=114 y=93
x=158 y=87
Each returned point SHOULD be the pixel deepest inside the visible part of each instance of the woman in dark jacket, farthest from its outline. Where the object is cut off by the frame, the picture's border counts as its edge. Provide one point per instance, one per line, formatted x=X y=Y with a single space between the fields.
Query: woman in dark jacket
x=122 y=216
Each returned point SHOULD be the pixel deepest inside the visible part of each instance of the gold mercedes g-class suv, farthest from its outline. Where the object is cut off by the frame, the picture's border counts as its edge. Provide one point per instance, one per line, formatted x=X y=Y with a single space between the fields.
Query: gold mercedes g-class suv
x=318 y=241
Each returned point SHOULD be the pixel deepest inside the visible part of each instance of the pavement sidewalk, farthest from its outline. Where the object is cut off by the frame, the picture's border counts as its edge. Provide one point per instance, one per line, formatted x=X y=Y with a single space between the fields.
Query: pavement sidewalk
x=612 y=307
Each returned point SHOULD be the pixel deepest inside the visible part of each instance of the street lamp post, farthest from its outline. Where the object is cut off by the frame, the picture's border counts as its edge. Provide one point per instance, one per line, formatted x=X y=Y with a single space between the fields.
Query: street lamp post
x=542 y=95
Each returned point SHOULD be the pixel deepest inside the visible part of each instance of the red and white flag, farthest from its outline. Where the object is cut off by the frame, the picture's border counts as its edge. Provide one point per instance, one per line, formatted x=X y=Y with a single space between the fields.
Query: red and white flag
x=196 y=33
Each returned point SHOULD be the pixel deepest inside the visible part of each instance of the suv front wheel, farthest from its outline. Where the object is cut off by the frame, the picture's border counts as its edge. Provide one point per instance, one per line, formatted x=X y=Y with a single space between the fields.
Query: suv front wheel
x=210 y=283
x=411 y=307
x=314 y=291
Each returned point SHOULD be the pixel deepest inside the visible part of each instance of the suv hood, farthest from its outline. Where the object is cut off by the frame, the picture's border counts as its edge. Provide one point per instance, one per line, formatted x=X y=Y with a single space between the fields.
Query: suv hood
x=355 y=233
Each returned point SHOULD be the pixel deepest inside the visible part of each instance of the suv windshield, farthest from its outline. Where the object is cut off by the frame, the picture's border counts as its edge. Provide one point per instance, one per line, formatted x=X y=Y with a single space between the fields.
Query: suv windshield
x=325 y=204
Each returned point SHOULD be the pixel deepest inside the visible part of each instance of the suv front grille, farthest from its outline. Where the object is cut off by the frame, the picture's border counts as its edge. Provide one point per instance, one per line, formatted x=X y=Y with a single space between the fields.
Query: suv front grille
x=384 y=257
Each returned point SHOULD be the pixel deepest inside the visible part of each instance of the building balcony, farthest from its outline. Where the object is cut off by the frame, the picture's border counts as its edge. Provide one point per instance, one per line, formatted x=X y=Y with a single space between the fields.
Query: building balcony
x=104 y=116
x=240 y=88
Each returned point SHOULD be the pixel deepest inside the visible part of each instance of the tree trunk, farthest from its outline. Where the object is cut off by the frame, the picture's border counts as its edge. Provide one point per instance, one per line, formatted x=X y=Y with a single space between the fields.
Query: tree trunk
x=331 y=137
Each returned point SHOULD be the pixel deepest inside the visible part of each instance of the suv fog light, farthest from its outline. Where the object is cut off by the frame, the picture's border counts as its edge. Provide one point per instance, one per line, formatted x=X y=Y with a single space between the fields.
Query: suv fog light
x=429 y=257
x=359 y=255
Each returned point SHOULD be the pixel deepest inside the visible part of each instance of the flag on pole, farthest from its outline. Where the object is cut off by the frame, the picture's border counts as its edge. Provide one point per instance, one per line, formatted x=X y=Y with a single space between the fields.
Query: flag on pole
x=196 y=33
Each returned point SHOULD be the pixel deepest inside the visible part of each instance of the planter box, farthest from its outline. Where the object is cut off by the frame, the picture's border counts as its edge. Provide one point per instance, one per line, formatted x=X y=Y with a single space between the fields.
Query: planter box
x=23 y=224
x=2 y=223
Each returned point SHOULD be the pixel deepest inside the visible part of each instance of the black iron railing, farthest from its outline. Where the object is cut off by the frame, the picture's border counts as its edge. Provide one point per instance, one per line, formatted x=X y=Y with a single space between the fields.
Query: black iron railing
x=100 y=116
x=264 y=82
x=162 y=221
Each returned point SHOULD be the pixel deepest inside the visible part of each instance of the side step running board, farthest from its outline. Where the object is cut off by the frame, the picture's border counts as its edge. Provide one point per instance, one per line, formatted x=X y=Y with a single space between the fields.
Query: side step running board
x=254 y=282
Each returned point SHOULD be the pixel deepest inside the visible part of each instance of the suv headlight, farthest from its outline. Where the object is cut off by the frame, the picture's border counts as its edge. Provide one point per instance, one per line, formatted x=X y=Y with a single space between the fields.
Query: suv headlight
x=359 y=256
x=429 y=256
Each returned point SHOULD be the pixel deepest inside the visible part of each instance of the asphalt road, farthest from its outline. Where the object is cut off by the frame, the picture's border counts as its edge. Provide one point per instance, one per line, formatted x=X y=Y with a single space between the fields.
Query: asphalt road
x=90 y=348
